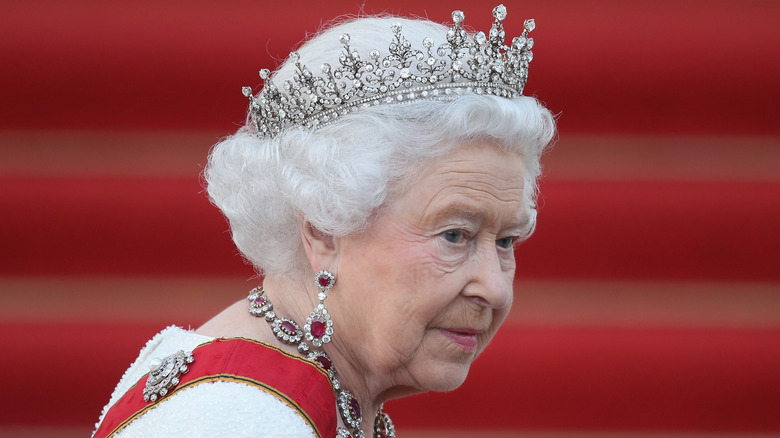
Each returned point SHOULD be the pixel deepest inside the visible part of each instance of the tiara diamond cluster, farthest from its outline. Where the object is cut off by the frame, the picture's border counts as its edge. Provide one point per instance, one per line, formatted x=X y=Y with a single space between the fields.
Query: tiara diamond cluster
x=478 y=63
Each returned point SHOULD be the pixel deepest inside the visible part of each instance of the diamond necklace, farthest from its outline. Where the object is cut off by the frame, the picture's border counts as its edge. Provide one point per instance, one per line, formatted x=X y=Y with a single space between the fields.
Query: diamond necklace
x=289 y=332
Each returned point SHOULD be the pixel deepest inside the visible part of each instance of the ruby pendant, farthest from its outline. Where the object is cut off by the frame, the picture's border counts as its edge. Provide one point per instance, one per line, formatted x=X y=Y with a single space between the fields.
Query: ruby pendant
x=319 y=326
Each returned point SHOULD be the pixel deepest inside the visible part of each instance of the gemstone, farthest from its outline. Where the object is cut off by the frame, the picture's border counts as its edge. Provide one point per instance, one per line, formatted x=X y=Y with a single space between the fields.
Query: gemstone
x=479 y=37
x=499 y=12
x=167 y=366
x=396 y=27
x=458 y=16
x=344 y=38
x=318 y=328
x=529 y=24
x=289 y=327
x=428 y=42
x=247 y=91
x=381 y=429
x=354 y=408
x=155 y=364
x=295 y=57
x=260 y=301
x=265 y=74
x=323 y=280
x=324 y=362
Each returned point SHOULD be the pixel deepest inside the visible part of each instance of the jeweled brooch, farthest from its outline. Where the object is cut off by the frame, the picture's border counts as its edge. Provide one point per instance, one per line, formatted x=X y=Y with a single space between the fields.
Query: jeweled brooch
x=164 y=374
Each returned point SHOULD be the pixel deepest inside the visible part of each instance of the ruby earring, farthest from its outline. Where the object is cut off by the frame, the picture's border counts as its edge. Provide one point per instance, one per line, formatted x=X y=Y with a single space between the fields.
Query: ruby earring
x=319 y=327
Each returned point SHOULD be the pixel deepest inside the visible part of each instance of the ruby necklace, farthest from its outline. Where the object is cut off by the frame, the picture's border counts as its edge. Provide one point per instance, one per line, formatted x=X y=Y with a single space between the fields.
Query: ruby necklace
x=289 y=332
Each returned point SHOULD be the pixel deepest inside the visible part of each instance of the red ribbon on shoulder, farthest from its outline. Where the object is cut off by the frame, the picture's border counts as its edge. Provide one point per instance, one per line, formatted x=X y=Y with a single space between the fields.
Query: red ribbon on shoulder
x=298 y=382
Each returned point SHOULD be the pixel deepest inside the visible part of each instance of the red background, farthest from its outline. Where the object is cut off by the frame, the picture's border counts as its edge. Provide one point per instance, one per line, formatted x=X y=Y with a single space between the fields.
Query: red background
x=81 y=204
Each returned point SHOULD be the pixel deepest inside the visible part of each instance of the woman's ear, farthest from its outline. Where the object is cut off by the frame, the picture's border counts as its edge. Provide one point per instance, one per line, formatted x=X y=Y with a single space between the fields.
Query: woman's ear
x=319 y=246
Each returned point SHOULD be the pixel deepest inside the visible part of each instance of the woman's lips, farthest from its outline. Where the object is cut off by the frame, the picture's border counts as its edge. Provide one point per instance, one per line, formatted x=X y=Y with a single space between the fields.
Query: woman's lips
x=464 y=338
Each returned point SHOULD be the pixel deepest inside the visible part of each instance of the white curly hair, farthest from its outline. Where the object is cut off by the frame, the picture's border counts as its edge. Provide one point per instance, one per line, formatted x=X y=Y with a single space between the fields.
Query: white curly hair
x=337 y=176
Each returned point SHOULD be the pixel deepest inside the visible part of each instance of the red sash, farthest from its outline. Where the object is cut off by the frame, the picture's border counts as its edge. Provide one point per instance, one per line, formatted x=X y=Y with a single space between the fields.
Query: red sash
x=297 y=382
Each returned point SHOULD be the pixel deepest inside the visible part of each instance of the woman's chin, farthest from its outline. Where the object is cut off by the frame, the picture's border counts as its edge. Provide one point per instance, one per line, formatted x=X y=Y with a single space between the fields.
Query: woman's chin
x=446 y=377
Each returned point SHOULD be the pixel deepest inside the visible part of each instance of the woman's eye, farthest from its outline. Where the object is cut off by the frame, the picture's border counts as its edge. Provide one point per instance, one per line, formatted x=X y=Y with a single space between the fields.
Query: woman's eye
x=453 y=236
x=505 y=242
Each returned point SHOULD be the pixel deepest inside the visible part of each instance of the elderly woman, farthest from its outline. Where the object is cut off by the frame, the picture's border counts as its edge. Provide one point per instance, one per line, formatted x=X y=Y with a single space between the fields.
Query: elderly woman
x=383 y=178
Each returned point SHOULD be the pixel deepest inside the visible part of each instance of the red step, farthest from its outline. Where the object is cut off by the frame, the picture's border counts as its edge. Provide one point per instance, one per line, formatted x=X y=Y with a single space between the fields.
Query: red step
x=699 y=66
x=530 y=378
x=666 y=230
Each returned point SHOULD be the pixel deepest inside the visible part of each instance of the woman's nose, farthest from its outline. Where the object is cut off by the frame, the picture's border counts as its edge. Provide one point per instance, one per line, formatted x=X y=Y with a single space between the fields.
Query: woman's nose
x=489 y=282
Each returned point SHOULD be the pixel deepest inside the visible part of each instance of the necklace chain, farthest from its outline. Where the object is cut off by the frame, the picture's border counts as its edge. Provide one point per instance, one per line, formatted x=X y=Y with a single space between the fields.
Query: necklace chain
x=289 y=332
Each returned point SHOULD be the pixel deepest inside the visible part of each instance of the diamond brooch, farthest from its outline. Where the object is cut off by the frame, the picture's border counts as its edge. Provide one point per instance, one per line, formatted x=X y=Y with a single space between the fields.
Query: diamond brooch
x=165 y=374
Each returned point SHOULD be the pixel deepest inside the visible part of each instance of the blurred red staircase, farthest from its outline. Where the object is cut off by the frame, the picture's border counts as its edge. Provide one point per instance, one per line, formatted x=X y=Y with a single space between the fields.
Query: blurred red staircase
x=647 y=302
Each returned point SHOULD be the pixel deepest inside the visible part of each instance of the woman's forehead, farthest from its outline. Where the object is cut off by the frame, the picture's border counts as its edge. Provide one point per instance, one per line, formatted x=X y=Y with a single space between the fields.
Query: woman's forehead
x=472 y=182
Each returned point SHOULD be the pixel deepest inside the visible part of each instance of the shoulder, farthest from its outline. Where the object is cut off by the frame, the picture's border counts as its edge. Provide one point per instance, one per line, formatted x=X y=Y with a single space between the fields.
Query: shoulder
x=219 y=409
x=165 y=343
x=234 y=386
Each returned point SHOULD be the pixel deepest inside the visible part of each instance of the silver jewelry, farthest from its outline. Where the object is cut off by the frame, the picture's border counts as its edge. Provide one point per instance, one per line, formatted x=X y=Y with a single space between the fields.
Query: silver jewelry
x=285 y=329
x=464 y=64
x=319 y=326
x=349 y=408
x=383 y=425
x=164 y=374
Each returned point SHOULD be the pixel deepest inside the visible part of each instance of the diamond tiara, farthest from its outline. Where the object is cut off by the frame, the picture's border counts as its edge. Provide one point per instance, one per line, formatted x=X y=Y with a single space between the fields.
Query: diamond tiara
x=478 y=63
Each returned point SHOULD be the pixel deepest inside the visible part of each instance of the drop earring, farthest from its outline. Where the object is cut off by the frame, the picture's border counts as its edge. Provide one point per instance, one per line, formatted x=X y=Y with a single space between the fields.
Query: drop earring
x=319 y=327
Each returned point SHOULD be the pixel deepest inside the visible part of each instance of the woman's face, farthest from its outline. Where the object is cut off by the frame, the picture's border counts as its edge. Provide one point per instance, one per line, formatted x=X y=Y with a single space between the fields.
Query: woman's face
x=421 y=292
